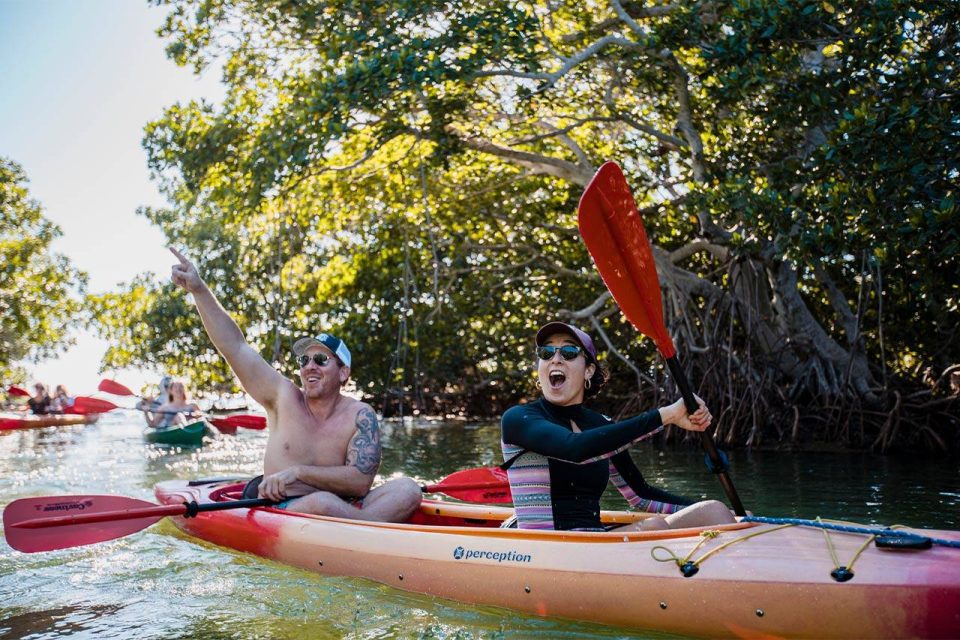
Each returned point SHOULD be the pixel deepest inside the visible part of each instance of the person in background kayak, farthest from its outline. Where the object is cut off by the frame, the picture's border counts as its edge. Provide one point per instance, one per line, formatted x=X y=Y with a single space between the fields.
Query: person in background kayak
x=177 y=410
x=561 y=455
x=40 y=402
x=62 y=400
x=323 y=448
x=163 y=396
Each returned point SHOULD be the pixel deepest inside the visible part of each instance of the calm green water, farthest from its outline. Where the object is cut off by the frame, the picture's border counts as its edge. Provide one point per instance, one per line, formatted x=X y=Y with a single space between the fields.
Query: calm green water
x=160 y=584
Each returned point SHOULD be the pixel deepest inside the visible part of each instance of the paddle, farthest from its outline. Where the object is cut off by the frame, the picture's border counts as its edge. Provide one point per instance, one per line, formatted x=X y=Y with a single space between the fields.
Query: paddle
x=111 y=386
x=85 y=404
x=614 y=235
x=486 y=485
x=14 y=390
x=58 y=522
x=242 y=420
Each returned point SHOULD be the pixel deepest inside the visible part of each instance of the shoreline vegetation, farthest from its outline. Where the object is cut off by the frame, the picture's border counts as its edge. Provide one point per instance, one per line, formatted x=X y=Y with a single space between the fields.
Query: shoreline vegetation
x=408 y=180
x=923 y=418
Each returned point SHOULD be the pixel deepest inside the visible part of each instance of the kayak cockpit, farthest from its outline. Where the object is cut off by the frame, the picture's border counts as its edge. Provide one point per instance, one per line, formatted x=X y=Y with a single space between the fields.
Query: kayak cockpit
x=437 y=515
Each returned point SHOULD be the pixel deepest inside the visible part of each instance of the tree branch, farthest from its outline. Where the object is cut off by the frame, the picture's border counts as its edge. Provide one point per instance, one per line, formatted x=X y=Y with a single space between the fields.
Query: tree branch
x=538 y=164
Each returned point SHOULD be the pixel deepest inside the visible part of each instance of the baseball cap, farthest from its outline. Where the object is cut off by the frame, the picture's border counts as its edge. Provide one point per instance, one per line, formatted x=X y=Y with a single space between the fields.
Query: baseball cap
x=335 y=344
x=585 y=341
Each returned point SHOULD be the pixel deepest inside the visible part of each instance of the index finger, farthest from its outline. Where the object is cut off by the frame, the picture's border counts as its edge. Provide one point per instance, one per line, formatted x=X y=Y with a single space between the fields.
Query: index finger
x=182 y=258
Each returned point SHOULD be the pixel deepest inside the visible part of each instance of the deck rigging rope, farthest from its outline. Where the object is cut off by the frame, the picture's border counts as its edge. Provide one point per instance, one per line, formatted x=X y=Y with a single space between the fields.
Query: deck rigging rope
x=841 y=573
x=846 y=528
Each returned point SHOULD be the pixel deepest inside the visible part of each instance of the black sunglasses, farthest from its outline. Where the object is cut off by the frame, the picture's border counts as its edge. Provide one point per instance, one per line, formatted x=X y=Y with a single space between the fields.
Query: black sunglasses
x=319 y=358
x=567 y=351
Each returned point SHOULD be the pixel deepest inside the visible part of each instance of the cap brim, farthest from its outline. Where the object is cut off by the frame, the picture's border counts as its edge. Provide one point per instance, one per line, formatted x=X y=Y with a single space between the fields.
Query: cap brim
x=552 y=328
x=300 y=346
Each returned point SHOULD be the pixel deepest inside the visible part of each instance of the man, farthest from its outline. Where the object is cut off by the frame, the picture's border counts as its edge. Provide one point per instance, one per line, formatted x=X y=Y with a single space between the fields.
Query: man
x=323 y=449
x=149 y=406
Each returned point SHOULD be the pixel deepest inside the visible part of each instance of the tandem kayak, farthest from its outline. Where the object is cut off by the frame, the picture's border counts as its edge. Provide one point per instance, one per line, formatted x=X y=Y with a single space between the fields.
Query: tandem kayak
x=190 y=435
x=748 y=579
x=29 y=421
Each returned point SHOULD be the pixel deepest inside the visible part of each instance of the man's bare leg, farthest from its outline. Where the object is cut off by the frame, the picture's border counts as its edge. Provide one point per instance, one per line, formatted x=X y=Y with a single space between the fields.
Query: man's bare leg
x=394 y=501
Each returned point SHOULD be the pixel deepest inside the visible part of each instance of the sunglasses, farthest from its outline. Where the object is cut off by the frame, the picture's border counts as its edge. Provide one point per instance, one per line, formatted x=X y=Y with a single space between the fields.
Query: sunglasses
x=567 y=351
x=319 y=358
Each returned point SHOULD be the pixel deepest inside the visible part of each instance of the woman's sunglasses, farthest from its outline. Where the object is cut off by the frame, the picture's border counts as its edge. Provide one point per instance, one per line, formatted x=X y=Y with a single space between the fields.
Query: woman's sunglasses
x=567 y=351
x=319 y=358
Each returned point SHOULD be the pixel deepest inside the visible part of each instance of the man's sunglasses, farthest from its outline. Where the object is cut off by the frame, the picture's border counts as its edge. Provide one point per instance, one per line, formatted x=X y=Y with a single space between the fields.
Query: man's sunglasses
x=567 y=351
x=319 y=358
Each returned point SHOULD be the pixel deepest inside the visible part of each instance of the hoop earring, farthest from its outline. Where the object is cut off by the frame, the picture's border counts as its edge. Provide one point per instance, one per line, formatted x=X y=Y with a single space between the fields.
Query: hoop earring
x=538 y=384
x=587 y=383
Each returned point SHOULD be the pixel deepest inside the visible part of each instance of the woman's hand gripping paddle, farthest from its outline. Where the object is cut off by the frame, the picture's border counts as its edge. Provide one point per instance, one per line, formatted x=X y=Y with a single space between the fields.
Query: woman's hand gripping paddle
x=614 y=235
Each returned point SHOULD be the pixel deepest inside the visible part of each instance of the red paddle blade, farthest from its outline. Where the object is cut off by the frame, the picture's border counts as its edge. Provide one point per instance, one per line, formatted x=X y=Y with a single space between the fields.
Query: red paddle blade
x=486 y=485
x=14 y=390
x=85 y=405
x=243 y=420
x=52 y=510
x=613 y=232
x=117 y=389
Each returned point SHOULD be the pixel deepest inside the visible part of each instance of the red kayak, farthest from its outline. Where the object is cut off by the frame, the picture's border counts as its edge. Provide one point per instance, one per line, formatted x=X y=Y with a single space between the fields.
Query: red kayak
x=10 y=422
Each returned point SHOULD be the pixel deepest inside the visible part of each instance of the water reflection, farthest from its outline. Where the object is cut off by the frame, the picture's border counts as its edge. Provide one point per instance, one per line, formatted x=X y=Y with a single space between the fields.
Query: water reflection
x=60 y=621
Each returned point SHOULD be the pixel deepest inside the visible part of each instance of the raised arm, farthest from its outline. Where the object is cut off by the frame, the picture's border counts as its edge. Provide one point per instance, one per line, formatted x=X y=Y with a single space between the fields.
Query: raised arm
x=258 y=378
x=526 y=429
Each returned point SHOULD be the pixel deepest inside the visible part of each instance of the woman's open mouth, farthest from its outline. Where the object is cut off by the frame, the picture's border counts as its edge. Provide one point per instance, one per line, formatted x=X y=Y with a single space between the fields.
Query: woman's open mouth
x=557 y=378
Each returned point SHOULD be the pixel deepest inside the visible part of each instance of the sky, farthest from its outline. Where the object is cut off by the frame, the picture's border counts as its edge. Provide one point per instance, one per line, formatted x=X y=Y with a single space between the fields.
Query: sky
x=78 y=83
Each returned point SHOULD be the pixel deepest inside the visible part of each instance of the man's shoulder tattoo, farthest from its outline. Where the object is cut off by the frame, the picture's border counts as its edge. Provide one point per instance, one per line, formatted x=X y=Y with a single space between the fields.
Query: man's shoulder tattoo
x=364 y=450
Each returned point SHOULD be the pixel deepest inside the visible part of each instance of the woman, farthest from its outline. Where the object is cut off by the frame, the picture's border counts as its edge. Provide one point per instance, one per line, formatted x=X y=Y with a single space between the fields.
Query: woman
x=62 y=400
x=177 y=408
x=560 y=455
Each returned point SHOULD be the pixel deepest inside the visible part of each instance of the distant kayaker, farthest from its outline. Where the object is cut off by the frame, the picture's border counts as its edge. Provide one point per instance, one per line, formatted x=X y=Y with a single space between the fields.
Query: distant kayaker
x=177 y=410
x=162 y=397
x=62 y=400
x=40 y=402
x=323 y=449
x=562 y=455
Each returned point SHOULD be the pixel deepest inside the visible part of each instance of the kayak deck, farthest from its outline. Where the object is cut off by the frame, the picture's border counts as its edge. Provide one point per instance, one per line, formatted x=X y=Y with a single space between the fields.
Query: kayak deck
x=751 y=579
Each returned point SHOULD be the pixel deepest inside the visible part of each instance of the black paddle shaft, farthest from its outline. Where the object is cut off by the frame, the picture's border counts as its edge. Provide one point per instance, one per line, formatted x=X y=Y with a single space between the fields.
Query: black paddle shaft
x=193 y=507
x=680 y=378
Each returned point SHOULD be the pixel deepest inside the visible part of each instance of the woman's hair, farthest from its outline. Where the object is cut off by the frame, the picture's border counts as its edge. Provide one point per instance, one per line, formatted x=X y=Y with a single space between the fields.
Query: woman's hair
x=597 y=380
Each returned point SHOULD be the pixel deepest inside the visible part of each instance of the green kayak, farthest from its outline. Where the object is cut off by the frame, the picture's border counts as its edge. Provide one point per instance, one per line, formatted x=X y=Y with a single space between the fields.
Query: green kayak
x=189 y=435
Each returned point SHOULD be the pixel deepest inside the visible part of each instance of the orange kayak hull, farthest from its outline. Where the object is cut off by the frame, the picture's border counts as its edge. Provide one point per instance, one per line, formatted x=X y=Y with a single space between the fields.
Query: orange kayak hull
x=775 y=584
x=51 y=420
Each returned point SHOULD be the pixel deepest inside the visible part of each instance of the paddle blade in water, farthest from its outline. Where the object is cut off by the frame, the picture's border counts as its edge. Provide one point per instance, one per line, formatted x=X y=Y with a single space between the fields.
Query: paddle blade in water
x=53 y=510
x=14 y=390
x=117 y=389
x=614 y=235
x=487 y=485
x=242 y=420
x=85 y=405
